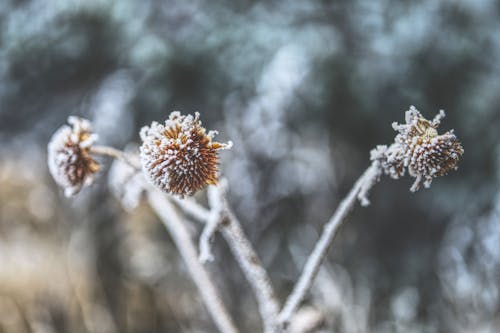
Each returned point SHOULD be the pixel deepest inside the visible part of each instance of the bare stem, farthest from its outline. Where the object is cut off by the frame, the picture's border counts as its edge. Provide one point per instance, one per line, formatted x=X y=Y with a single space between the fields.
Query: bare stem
x=115 y=153
x=191 y=207
x=214 y=220
x=251 y=266
x=241 y=248
x=177 y=229
x=302 y=286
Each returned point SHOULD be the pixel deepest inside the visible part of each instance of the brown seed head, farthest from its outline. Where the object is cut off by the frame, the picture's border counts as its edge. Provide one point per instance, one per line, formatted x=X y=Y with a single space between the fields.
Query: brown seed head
x=179 y=156
x=420 y=149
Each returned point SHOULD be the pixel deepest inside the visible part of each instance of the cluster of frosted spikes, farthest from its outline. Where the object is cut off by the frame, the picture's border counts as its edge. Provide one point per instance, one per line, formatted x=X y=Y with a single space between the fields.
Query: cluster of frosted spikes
x=181 y=158
x=419 y=149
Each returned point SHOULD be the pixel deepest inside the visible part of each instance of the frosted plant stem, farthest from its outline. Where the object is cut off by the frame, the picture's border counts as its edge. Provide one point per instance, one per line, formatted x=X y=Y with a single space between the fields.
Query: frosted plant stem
x=241 y=248
x=192 y=208
x=213 y=220
x=251 y=266
x=180 y=235
x=302 y=286
x=115 y=153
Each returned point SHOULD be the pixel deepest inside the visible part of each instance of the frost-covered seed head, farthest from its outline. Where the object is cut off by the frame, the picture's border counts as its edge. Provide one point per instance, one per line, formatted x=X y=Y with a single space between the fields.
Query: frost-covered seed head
x=419 y=149
x=179 y=156
x=69 y=160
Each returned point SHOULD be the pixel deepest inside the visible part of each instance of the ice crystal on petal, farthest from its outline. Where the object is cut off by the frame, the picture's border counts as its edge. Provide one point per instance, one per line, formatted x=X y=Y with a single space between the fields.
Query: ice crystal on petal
x=419 y=149
x=69 y=160
x=179 y=156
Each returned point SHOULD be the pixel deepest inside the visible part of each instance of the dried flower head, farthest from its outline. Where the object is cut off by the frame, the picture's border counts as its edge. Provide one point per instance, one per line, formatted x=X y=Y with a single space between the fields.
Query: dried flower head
x=69 y=157
x=419 y=149
x=179 y=156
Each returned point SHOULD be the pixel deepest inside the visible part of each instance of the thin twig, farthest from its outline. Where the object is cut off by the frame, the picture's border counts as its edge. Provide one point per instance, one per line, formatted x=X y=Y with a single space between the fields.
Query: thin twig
x=115 y=153
x=302 y=286
x=173 y=222
x=251 y=266
x=192 y=208
x=213 y=221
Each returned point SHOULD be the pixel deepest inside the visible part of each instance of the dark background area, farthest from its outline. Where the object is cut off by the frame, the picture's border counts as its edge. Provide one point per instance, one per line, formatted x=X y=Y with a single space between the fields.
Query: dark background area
x=304 y=89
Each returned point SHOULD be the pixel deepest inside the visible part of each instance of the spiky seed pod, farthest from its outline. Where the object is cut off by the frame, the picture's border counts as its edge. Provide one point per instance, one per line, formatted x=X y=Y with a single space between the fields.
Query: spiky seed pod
x=69 y=160
x=420 y=149
x=179 y=156
x=430 y=156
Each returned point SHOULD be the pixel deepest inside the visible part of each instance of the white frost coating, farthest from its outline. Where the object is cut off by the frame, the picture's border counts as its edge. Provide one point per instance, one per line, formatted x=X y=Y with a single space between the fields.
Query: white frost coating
x=64 y=154
x=371 y=177
x=437 y=119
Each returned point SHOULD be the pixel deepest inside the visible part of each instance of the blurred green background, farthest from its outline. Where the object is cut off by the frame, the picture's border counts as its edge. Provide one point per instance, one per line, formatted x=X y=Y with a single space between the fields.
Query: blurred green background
x=304 y=89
